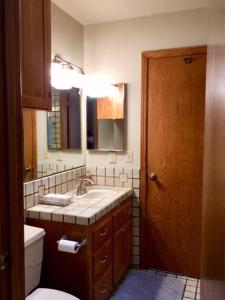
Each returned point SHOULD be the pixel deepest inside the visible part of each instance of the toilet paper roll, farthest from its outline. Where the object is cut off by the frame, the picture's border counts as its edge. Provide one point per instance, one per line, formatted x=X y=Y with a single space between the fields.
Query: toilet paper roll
x=68 y=246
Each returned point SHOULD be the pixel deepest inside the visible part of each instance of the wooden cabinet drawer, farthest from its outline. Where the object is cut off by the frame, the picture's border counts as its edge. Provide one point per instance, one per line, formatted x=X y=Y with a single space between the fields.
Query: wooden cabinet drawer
x=101 y=234
x=103 y=288
x=102 y=261
x=122 y=216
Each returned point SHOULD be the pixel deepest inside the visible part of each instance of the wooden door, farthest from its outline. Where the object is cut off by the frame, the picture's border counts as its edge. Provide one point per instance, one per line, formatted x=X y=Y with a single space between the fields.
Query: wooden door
x=172 y=159
x=213 y=240
x=29 y=144
x=36 y=53
x=11 y=180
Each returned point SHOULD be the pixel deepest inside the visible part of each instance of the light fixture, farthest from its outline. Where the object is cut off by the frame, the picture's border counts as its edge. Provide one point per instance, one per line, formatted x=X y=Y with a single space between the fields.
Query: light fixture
x=98 y=87
x=60 y=77
x=65 y=75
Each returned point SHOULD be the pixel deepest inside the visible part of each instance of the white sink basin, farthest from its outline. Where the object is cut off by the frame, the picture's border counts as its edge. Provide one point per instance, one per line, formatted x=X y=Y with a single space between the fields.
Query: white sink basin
x=98 y=194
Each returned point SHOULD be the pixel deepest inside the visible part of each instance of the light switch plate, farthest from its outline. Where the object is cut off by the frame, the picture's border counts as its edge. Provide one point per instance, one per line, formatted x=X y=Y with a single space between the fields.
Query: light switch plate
x=112 y=157
x=129 y=156
x=59 y=156
x=46 y=155
x=123 y=177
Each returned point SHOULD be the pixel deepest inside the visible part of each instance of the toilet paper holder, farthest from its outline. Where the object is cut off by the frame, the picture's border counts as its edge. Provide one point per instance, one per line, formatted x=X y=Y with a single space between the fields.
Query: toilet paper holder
x=80 y=245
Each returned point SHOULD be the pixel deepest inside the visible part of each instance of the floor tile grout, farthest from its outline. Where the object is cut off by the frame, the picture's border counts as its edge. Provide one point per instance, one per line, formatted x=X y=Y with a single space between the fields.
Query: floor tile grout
x=190 y=287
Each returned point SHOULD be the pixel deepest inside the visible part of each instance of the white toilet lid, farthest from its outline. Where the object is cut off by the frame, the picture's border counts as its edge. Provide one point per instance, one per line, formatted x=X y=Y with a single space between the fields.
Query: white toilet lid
x=48 y=294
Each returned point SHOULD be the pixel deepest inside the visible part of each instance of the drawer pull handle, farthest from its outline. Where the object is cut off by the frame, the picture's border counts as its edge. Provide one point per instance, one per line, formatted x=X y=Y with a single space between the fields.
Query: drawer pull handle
x=104 y=233
x=103 y=260
x=103 y=291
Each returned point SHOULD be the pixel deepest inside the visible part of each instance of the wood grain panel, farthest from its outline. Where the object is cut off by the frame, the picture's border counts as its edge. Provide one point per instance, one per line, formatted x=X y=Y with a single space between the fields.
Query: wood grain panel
x=101 y=234
x=122 y=251
x=102 y=260
x=29 y=144
x=65 y=271
x=103 y=289
x=213 y=242
x=112 y=108
x=11 y=167
x=122 y=216
x=36 y=53
x=171 y=221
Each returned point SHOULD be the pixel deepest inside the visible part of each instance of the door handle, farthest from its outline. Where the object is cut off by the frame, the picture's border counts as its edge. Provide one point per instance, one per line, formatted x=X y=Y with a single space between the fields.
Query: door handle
x=153 y=177
x=27 y=169
x=4 y=261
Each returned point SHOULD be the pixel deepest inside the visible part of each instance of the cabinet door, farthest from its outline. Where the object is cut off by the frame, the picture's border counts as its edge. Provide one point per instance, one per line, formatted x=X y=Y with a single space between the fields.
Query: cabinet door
x=122 y=252
x=36 y=53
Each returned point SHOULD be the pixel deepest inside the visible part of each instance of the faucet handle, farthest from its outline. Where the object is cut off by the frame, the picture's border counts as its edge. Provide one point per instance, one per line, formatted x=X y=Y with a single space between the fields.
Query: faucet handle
x=82 y=188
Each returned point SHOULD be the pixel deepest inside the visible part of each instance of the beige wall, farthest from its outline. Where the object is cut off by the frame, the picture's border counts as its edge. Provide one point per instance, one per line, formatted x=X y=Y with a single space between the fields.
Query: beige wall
x=67 y=36
x=67 y=41
x=114 y=50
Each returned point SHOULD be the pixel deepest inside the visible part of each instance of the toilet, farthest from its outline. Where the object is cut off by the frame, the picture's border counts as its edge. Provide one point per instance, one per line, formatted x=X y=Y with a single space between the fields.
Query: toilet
x=33 y=243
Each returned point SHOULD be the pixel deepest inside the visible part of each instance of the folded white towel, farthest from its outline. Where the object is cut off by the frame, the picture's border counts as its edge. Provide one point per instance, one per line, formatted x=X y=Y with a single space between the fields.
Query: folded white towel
x=56 y=199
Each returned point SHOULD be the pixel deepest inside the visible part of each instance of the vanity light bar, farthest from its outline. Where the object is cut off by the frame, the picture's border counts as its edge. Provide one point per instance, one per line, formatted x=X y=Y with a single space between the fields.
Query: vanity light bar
x=58 y=59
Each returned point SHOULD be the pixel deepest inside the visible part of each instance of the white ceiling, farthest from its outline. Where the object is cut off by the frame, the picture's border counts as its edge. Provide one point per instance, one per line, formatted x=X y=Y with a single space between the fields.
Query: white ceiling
x=100 y=11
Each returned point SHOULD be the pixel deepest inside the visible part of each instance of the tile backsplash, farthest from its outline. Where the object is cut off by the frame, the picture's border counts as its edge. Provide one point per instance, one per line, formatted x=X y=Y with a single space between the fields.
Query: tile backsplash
x=57 y=183
x=68 y=180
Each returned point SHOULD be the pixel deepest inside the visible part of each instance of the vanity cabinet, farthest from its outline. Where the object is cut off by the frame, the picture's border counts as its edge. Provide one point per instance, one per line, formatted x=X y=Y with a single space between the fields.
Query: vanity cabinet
x=36 y=53
x=96 y=269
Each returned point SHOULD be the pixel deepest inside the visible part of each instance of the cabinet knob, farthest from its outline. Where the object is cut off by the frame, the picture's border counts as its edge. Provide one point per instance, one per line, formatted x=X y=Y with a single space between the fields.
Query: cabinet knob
x=103 y=291
x=104 y=233
x=103 y=260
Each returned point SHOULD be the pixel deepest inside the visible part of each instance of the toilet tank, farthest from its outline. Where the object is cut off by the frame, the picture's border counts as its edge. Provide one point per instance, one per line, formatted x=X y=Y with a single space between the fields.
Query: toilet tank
x=33 y=243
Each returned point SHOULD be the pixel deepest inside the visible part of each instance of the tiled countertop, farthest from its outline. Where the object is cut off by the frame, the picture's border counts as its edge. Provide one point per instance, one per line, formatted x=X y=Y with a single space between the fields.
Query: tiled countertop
x=81 y=211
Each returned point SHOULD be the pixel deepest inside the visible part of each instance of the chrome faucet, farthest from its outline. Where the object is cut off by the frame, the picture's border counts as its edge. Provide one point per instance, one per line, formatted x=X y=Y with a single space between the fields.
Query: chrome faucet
x=82 y=188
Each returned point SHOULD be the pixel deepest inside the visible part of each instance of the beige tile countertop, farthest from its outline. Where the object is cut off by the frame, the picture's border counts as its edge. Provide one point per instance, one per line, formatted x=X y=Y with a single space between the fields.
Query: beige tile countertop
x=82 y=210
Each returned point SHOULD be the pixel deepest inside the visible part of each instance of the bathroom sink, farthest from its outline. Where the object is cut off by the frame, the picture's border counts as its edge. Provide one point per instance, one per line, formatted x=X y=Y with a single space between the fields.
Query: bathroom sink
x=98 y=194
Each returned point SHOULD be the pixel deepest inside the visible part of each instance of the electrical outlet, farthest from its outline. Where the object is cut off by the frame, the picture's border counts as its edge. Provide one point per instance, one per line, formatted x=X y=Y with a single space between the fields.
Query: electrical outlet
x=129 y=156
x=41 y=190
x=59 y=156
x=123 y=177
x=46 y=155
x=112 y=157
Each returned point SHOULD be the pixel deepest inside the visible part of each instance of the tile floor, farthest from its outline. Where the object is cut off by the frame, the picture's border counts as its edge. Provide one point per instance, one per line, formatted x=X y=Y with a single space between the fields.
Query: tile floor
x=192 y=285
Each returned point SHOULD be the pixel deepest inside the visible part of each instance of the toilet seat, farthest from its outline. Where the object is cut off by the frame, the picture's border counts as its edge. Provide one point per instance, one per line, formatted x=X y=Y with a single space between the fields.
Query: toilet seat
x=49 y=294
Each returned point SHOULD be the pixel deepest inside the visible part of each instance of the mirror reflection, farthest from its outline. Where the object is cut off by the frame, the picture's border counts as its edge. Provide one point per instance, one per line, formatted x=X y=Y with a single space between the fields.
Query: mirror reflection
x=106 y=121
x=64 y=121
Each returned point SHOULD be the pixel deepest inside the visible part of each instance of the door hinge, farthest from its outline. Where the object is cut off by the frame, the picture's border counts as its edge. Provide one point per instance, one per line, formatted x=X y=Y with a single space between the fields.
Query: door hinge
x=4 y=261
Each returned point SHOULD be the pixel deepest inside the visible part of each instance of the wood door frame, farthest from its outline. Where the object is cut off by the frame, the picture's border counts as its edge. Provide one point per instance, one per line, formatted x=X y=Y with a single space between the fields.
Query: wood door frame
x=144 y=133
x=11 y=171
x=34 y=142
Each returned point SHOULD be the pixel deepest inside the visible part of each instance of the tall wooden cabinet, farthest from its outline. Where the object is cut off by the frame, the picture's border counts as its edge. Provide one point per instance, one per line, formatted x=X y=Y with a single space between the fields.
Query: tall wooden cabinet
x=36 y=53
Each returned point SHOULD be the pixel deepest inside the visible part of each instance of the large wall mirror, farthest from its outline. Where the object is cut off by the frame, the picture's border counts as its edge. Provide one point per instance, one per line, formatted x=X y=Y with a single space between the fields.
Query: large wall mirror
x=106 y=118
x=53 y=140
